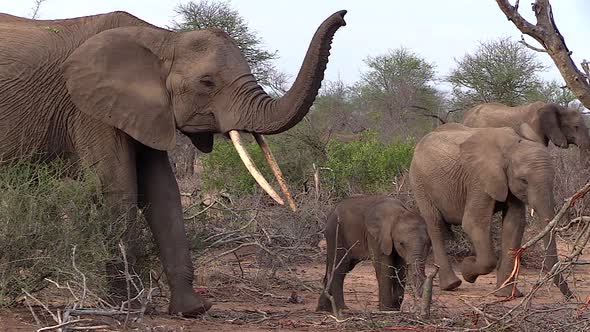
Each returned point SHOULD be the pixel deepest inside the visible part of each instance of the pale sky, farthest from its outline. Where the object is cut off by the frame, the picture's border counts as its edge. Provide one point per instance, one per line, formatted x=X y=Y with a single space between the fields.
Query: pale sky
x=440 y=31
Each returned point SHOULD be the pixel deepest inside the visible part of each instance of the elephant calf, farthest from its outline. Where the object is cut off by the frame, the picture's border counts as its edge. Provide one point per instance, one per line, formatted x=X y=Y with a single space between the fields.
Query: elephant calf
x=382 y=229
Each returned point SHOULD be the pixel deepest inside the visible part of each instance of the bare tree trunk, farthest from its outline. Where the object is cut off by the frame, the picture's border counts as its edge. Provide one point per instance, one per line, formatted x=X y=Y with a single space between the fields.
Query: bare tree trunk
x=547 y=34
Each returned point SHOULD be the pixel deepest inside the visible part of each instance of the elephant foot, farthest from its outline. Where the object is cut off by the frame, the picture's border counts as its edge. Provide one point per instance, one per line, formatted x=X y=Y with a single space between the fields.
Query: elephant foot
x=470 y=269
x=325 y=305
x=450 y=284
x=508 y=291
x=448 y=281
x=388 y=307
x=188 y=304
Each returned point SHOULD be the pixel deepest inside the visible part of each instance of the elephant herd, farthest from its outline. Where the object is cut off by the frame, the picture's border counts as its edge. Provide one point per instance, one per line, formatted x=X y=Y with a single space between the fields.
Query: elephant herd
x=460 y=174
x=112 y=92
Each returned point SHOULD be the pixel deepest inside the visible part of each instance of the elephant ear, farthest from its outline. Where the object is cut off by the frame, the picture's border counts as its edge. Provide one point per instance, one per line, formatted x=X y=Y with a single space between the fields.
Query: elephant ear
x=380 y=228
x=482 y=155
x=116 y=79
x=549 y=117
x=527 y=132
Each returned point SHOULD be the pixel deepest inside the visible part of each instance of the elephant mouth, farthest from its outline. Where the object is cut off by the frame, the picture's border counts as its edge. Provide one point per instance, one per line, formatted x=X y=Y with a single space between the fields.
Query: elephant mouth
x=248 y=162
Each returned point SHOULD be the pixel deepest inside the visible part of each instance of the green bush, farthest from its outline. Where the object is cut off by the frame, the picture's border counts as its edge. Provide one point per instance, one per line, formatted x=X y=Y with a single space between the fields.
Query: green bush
x=43 y=215
x=367 y=165
x=223 y=169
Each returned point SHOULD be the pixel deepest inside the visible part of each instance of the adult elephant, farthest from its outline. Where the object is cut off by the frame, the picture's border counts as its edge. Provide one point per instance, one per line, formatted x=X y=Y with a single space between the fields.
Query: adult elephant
x=462 y=176
x=111 y=90
x=549 y=121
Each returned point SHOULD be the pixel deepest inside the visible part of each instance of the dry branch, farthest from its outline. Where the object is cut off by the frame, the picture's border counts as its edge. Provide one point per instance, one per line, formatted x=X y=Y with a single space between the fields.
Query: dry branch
x=580 y=243
x=326 y=290
x=546 y=33
x=71 y=315
x=36 y=8
x=427 y=294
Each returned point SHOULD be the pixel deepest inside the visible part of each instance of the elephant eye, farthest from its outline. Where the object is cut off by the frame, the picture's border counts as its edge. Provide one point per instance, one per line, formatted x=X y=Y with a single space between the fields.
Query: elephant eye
x=208 y=82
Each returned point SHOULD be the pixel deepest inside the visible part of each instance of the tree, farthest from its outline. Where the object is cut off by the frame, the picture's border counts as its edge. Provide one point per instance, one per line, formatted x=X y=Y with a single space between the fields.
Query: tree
x=498 y=71
x=554 y=92
x=36 y=8
x=205 y=14
x=546 y=33
x=394 y=84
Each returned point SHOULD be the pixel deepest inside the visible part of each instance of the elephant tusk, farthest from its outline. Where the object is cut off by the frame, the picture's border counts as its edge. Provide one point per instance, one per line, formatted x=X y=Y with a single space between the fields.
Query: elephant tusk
x=532 y=212
x=270 y=159
x=247 y=160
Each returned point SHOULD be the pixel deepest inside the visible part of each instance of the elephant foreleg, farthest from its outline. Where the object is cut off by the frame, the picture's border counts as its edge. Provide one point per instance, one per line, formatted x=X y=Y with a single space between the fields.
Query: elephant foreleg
x=476 y=223
x=384 y=271
x=513 y=222
x=434 y=223
x=398 y=278
x=159 y=192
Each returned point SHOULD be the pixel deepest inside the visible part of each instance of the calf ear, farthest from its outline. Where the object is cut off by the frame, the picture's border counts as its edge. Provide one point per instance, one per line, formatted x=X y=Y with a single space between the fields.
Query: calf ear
x=114 y=78
x=379 y=228
x=482 y=156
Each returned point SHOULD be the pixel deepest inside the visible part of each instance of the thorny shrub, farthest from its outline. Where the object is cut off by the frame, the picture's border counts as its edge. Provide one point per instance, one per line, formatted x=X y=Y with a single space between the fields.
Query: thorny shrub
x=43 y=215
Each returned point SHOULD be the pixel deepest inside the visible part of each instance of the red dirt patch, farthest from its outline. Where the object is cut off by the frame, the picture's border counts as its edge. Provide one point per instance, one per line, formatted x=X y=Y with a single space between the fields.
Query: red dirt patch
x=248 y=298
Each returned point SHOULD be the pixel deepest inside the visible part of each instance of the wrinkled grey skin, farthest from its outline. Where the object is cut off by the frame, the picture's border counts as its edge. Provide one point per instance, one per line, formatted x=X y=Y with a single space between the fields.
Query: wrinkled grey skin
x=382 y=229
x=462 y=176
x=549 y=122
x=111 y=91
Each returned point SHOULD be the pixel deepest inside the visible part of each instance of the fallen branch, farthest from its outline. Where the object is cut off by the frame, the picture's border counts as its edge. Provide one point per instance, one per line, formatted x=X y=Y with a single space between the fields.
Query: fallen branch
x=58 y=326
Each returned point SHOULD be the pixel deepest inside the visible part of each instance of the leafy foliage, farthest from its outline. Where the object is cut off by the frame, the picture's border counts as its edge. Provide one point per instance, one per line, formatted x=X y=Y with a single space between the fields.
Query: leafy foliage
x=394 y=83
x=205 y=14
x=224 y=171
x=498 y=71
x=367 y=165
x=554 y=92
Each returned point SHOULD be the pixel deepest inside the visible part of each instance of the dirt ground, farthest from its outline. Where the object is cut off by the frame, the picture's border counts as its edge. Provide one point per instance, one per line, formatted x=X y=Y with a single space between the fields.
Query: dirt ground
x=247 y=298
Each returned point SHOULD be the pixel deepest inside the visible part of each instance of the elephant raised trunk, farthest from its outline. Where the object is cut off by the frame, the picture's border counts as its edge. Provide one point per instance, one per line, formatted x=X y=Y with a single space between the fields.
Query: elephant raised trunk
x=274 y=116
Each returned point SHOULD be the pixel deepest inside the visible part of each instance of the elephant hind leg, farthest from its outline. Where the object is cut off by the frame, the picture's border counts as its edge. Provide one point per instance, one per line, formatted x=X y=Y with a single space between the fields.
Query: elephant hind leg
x=336 y=287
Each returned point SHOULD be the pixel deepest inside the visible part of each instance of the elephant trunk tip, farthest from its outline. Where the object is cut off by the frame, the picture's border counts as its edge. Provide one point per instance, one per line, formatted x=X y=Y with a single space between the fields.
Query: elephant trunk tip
x=341 y=14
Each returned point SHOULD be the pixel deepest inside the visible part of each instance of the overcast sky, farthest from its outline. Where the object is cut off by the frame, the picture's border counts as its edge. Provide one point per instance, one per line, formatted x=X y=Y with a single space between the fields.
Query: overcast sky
x=440 y=31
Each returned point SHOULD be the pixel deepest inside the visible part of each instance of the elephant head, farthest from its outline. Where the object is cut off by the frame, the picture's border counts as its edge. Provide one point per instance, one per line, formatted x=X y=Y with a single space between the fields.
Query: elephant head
x=406 y=232
x=149 y=82
x=506 y=164
x=564 y=126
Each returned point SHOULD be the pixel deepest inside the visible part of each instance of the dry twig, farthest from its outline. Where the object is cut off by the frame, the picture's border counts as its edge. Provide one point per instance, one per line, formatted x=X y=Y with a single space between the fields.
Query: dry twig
x=427 y=294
